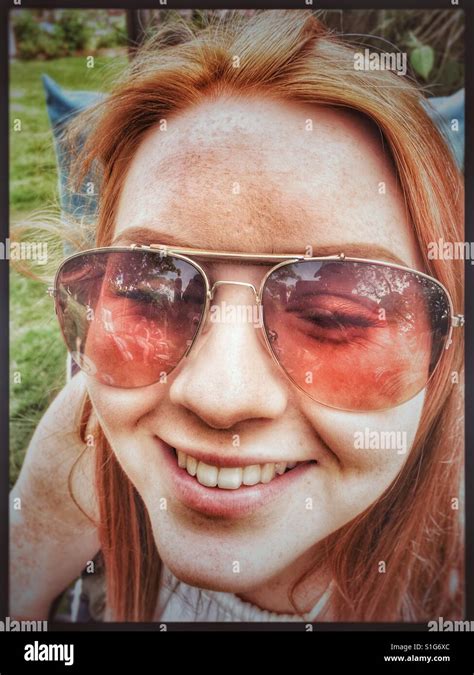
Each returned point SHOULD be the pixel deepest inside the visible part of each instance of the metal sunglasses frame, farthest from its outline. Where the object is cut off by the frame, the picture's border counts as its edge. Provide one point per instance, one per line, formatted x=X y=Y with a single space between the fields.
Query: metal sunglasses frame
x=281 y=260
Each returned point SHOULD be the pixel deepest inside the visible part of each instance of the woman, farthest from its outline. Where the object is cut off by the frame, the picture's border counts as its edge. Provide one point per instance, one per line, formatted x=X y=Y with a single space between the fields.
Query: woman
x=201 y=462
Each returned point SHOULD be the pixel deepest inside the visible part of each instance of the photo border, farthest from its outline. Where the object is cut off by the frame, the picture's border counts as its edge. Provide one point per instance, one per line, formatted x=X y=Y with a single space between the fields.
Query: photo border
x=4 y=307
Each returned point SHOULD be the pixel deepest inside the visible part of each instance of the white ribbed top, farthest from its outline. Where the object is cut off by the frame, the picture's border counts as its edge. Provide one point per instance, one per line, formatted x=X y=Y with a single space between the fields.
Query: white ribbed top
x=177 y=601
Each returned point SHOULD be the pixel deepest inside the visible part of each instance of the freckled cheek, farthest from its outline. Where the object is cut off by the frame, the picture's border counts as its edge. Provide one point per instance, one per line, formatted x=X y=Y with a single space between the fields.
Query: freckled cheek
x=133 y=445
x=364 y=455
x=366 y=446
x=123 y=411
x=359 y=487
x=377 y=464
x=364 y=474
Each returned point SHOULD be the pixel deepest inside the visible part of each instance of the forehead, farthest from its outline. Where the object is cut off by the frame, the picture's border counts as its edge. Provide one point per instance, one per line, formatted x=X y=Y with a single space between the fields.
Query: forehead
x=261 y=175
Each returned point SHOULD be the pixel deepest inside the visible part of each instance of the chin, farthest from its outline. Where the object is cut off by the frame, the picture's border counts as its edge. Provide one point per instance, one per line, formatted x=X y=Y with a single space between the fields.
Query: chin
x=231 y=583
x=203 y=574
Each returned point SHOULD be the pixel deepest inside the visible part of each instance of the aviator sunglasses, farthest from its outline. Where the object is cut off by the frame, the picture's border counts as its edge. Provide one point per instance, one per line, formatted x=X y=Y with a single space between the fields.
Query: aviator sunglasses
x=351 y=333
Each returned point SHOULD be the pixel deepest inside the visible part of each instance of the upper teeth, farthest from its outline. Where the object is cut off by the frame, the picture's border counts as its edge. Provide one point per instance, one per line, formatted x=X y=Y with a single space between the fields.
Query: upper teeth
x=231 y=478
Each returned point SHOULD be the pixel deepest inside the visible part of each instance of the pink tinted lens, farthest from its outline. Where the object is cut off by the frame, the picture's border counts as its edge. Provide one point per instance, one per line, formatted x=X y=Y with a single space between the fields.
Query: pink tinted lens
x=355 y=336
x=128 y=317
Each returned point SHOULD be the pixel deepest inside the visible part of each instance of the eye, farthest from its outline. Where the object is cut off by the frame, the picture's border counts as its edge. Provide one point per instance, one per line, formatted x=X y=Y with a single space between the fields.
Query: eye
x=335 y=319
x=334 y=310
x=325 y=318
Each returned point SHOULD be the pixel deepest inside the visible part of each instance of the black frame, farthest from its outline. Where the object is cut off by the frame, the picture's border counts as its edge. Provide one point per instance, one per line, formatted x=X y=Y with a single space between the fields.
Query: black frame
x=469 y=312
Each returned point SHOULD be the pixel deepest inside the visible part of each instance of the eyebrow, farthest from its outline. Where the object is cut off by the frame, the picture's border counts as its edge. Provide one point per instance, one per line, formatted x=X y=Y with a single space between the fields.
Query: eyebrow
x=147 y=236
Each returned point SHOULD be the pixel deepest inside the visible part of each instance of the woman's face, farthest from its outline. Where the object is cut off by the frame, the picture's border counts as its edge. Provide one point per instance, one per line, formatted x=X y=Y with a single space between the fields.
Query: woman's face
x=255 y=175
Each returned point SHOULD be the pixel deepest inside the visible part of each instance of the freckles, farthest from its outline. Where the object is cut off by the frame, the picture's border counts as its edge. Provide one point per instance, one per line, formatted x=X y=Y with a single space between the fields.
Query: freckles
x=368 y=448
x=121 y=410
x=382 y=465
x=379 y=451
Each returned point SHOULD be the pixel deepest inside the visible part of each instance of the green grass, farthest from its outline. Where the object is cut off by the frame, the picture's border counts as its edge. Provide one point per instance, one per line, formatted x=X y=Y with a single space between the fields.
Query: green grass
x=37 y=352
x=33 y=177
x=37 y=359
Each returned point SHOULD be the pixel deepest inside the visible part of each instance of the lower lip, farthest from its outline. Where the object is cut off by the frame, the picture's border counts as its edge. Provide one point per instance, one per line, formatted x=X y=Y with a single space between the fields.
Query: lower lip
x=227 y=503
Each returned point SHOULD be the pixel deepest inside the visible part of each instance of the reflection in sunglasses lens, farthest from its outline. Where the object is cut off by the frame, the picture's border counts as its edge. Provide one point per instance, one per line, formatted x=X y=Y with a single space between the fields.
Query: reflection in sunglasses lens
x=129 y=317
x=355 y=336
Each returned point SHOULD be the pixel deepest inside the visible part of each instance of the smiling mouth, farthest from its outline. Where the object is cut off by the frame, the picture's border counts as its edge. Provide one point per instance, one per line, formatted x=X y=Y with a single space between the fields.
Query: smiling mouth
x=232 y=478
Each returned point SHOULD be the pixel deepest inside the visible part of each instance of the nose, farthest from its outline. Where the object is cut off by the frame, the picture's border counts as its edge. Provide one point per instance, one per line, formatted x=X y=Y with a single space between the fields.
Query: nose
x=228 y=376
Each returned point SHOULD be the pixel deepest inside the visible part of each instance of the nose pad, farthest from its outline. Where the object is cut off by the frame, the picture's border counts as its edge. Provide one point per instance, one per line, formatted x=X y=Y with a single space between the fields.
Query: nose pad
x=228 y=376
x=233 y=283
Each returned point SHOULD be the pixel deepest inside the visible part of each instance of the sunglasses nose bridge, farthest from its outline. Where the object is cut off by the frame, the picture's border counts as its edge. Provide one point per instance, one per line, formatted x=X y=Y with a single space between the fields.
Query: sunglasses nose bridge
x=216 y=284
